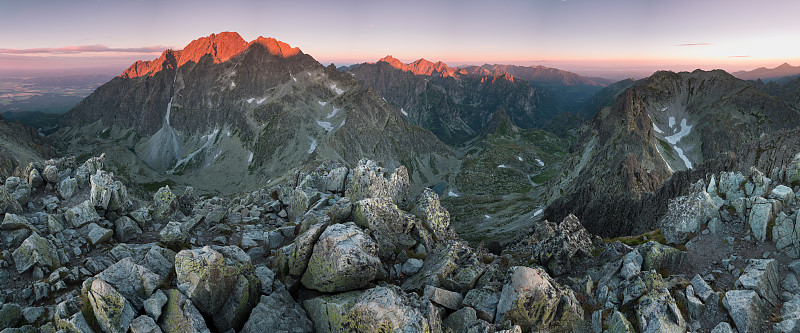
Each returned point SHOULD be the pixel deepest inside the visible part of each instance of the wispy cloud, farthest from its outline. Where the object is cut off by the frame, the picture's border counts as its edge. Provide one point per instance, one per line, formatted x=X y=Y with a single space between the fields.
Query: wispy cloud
x=739 y=56
x=695 y=44
x=98 y=48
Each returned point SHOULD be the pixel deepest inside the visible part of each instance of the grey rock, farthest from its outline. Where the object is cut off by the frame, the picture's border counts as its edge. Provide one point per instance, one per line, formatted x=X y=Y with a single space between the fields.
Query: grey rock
x=126 y=229
x=730 y=185
x=35 y=250
x=793 y=170
x=68 y=187
x=368 y=181
x=266 y=276
x=532 y=299
x=82 y=214
x=111 y=310
x=659 y=257
x=761 y=275
x=412 y=266
x=446 y=298
x=657 y=312
x=76 y=323
x=154 y=304
x=631 y=265
x=35 y=179
x=173 y=236
x=334 y=181
x=760 y=215
x=433 y=215
x=54 y=224
x=723 y=327
x=782 y=193
x=758 y=182
x=180 y=315
x=791 y=284
x=390 y=226
x=786 y=234
x=32 y=314
x=278 y=312
x=461 y=320
x=701 y=288
x=686 y=214
x=715 y=226
x=164 y=202
x=302 y=248
x=373 y=309
x=274 y=239
x=135 y=282
x=14 y=221
x=484 y=301
x=144 y=324
x=344 y=258
x=694 y=304
x=790 y=316
x=98 y=234
x=10 y=315
x=220 y=281
x=569 y=240
x=617 y=323
x=7 y=203
x=50 y=174
x=746 y=309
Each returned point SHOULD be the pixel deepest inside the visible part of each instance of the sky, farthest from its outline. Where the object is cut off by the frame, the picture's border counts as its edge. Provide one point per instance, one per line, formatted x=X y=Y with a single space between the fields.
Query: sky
x=585 y=36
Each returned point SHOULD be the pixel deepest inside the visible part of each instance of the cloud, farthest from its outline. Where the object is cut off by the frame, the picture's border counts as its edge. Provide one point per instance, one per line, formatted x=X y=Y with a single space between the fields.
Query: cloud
x=695 y=44
x=84 y=48
x=739 y=56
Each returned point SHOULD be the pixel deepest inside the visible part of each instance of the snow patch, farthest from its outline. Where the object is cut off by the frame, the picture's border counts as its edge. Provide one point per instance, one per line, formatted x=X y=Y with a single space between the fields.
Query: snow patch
x=664 y=109
x=249 y=158
x=502 y=166
x=326 y=125
x=684 y=131
x=250 y=100
x=313 y=145
x=342 y=124
x=228 y=133
x=519 y=158
x=658 y=130
x=294 y=78
x=452 y=194
x=487 y=217
x=233 y=84
x=540 y=162
x=404 y=112
x=261 y=100
x=671 y=122
x=169 y=108
x=336 y=89
x=683 y=157
x=333 y=113
x=321 y=103
x=538 y=212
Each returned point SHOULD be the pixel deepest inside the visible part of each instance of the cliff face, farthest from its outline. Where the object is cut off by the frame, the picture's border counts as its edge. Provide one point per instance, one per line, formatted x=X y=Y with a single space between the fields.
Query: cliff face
x=20 y=145
x=666 y=123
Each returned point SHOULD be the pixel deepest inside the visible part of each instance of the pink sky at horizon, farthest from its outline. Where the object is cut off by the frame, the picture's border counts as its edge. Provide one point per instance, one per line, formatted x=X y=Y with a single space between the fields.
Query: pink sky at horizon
x=628 y=37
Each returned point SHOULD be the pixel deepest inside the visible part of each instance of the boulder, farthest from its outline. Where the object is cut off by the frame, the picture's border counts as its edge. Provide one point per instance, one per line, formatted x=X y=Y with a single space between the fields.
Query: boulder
x=746 y=309
x=344 y=258
x=793 y=171
x=126 y=229
x=731 y=185
x=786 y=234
x=368 y=181
x=484 y=301
x=723 y=327
x=454 y=267
x=14 y=221
x=135 y=282
x=761 y=275
x=790 y=316
x=631 y=265
x=35 y=179
x=7 y=203
x=534 y=301
x=278 y=312
x=98 y=234
x=111 y=310
x=569 y=240
x=82 y=214
x=35 y=250
x=300 y=201
x=173 y=235
x=220 y=281
x=380 y=309
x=144 y=324
x=68 y=187
x=302 y=247
x=267 y=277
x=50 y=174
x=461 y=320
x=657 y=312
x=164 y=202
x=443 y=297
x=180 y=315
x=106 y=193
x=617 y=323
x=390 y=226
x=701 y=288
x=760 y=216
x=782 y=193
x=686 y=214
x=334 y=181
x=154 y=304
x=434 y=217
x=661 y=258
x=412 y=266
x=10 y=315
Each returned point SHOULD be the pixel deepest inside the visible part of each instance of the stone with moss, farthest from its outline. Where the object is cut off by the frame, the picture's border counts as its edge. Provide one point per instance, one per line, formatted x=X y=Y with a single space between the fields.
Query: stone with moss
x=344 y=258
x=278 y=312
x=7 y=202
x=164 y=202
x=793 y=171
x=180 y=315
x=173 y=236
x=302 y=247
x=617 y=323
x=111 y=310
x=368 y=180
x=221 y=282
x=657 y=312
x=82 y=214
x=10 y=315
x=14 y=221
x=661 y=258
x=434 y=217
x=534 y=301
x=380 y=309
x=35 y=250
x=391 y=227
x=106 y=193
x=135 y=282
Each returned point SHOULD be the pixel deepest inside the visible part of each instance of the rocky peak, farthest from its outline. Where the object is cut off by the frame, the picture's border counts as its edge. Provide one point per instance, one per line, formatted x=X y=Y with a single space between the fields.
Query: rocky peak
x=276 y=47
x=394 y=62
x=221 y=47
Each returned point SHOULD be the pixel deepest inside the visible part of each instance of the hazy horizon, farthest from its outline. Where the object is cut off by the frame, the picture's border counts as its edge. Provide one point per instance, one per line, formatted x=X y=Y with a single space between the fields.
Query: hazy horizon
x=615 y=39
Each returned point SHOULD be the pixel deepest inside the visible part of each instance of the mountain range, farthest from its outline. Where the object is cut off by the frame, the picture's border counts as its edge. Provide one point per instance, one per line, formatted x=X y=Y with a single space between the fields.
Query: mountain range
x=769 y=74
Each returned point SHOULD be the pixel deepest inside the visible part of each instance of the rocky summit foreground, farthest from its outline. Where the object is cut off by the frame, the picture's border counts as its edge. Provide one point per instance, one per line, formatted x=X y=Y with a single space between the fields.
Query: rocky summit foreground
x=351 y=250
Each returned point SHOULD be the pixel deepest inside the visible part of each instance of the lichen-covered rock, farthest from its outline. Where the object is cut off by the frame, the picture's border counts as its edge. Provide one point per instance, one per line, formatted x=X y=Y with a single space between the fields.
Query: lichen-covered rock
x=14 y=221
x=661 y=258
x=760 y=215
x=390 y=226
x=446 y=298
x=300 y=201
x=534 y=301
x=790 y=316
x=126 y=229
x=731 y=185
x=144 y=324
x=173 y=235
x=344 y=258
x=35 y=179
x=180 y=315
x=617 y=323
x=220 y=281
x=380 y=309
x=111 y=310
x=368 y=181
x=433 y=215
x=154 y=304
x=569 y=240
x=10 y=315
x=302 y=247
x=106 y=193
x=793 y=171
x=164 y=202
x=761 y=275
x=35 y=250
x=484 y=301
x=50 y=174
x=82 y=214
x=686 y=214
x=278 y=312
x=786 y=234
x=7 y=203
x=98 y=234
x=68 y=187
x=746 y=309
x=782 y=193
x=461 y=320
x=135 y=282
x=657 y=312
